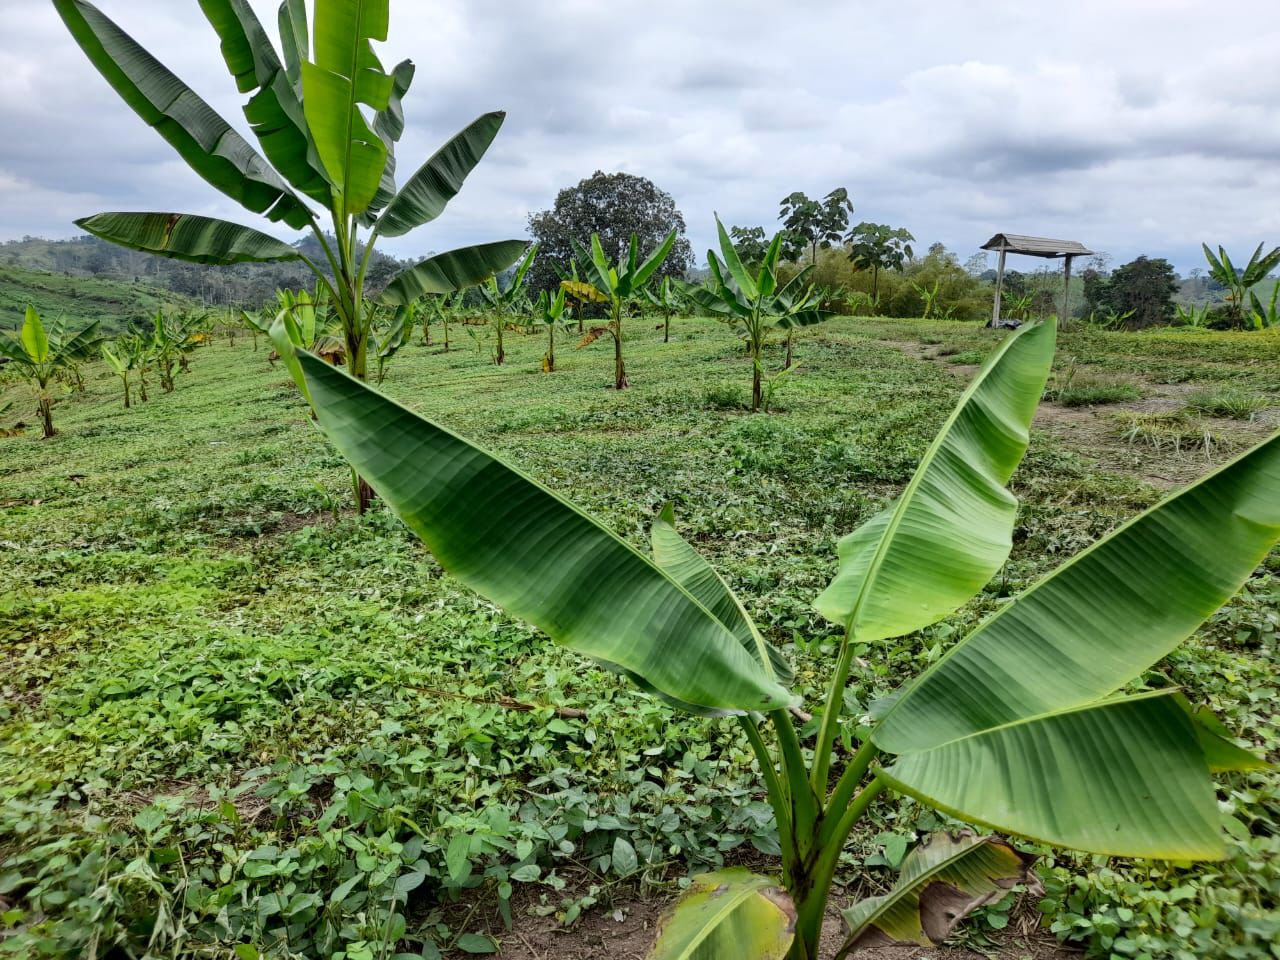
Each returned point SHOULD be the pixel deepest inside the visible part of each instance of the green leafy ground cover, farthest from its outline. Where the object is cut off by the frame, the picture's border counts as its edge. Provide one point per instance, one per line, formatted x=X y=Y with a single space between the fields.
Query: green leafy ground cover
x=236 y=716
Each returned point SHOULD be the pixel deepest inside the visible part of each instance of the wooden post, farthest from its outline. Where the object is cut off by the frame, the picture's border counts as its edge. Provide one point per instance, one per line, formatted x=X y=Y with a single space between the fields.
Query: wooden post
x=995 y=310
x=1066 y=292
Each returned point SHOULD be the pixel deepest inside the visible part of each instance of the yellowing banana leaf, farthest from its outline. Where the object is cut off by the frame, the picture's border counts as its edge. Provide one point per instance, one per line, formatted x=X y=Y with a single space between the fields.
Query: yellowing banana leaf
x=527 y=549
x=1125 y=777
x=184 y=236
x=730 y=914
x=455 y=270
x=204 y=140
x=951 y=529
x=942 y=881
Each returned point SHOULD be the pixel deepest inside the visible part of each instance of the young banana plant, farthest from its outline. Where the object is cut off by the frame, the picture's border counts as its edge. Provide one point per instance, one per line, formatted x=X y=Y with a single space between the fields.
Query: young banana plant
x=615 y=285
x=549 y=312
x=1265 y=317
x=1028 y=725
x=387 y=340
x=41 y=354
x=755 y=303
x=328 y=117
x=666 y=298
x=506 y=300
x=123 y=363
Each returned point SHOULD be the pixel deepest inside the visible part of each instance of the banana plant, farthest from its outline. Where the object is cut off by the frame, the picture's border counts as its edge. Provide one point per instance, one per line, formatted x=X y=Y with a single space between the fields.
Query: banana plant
x=123 y=363
x=928 y=295
x=1265 y=317
x=549 y=311
x=1191 y=316
x=387 y=340
x=666 y=297
x=328 y=117
x=308 y=323
x=40 y=354
x=615 y=285
x=443 y=308
x=506 y=301
x=1030 y=725
x=755 y=303
x=1239 y=282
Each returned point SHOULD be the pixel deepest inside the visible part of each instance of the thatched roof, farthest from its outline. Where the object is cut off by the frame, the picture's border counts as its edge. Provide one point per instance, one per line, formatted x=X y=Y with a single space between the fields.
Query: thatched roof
x=1036 y=246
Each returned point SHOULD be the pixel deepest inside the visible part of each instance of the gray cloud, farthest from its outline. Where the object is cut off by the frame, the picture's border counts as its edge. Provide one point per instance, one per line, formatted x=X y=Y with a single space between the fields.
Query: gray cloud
x=1136 y=127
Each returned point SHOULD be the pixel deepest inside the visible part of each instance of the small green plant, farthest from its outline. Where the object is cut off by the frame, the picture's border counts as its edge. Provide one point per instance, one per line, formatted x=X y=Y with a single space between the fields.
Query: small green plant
x=506 y=301
x=1265 y=316
x=614 y=285
x=388 y=337
x=124 y=363
x=667 y=299
x=549 y=311
x=1238 y=282
x=928 y=294
x=41 y=355
x=1191 y=316
x=1228 y=402
x=1171 y=431
x=1026 y=725
x=755 y=304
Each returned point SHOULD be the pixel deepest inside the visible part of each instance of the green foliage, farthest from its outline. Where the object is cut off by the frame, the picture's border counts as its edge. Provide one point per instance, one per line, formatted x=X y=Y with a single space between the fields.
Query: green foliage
x=1239 y=281
x=812 y=224
x=41 y=354
x=175 y=629
x=1139 y=293
x=876 y=247
x=1228 y=402
x=1074 y=388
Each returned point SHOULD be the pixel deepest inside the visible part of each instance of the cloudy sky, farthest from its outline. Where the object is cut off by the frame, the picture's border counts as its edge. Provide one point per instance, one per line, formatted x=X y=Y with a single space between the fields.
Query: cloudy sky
x=1135 y=126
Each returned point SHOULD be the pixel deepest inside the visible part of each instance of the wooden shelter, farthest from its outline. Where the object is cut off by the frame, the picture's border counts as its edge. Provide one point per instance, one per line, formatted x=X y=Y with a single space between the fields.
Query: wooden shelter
x=1065 y=250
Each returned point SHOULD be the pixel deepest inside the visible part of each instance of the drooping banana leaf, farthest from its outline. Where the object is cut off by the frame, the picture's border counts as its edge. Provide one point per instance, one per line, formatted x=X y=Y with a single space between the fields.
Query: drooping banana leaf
x=525 y=548
x=941 y=882
x=184 y=236
x=204 y=140
x=346 y=74
x=730 y=913
x=425 y=195
x=1104 y=616
x=275 y=110
x=455 y=270
x=952 y=527
x=1125 y=777
x=688 y=568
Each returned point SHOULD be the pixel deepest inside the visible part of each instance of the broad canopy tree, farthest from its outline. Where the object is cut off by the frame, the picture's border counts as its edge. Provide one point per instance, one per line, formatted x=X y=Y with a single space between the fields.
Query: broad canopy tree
x=613 y=206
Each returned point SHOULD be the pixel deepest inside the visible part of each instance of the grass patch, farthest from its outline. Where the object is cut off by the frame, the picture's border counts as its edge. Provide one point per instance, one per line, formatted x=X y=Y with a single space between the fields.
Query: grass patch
x=1227 y=403
x=1175 y=431
x=1091 y=391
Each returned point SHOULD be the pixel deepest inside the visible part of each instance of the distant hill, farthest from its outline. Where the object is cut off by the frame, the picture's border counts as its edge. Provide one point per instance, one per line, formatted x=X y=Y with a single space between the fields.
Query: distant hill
x=81 y=298
x=248 y=285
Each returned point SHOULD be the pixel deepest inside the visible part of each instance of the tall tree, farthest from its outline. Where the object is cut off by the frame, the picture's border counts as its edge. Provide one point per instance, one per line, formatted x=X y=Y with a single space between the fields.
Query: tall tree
x=1143 y=286
x=811 y=224
x=613 y=206
x=878 y=246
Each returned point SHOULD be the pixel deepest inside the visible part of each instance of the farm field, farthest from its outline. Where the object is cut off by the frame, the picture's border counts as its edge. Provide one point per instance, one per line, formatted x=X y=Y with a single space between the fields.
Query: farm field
x=235 y=716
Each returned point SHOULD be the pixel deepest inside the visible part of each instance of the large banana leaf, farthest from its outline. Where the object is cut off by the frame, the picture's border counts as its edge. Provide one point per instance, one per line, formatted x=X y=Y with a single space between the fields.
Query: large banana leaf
x=687 y=567
x=746 y=283
x=389 y=125
x=730 y=913
x=184 y=236
x=1104 y=616
x=205 y=141
x=637 y=277
x=952 y=528
x=346 y=74
x=942 y=881
x=455 y=270
x=275 y=110
x=425 y=195
x=525 y=548
x=294 y=44
x=35 y=341
x=1125 y=777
